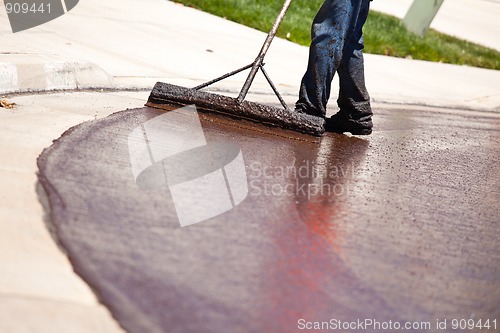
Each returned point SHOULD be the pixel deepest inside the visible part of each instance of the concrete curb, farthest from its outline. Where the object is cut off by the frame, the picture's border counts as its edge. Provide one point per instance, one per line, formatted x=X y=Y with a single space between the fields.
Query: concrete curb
x=25 y=74
x=34 y=73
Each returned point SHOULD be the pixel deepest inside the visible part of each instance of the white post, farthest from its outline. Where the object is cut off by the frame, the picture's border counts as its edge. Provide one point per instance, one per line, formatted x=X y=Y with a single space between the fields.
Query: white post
x=420 y=15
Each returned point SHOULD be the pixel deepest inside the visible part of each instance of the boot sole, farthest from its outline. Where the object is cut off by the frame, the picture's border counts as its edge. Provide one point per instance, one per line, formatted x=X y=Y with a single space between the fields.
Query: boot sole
x=362 y=131
x=366 y=131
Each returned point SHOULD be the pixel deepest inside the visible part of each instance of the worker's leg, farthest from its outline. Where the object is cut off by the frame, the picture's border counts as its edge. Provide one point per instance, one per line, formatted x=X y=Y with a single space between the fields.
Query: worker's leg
x=329 y=30
x=354 y=100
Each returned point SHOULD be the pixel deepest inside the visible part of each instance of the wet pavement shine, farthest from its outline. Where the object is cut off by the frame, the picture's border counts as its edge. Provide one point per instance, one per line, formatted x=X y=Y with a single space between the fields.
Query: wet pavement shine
x=399 y=227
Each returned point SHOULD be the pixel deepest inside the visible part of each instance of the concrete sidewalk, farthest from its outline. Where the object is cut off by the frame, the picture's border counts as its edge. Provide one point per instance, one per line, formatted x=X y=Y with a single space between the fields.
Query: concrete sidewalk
x=472 y=20
x=122 y=45
x=127 y=45
x=39 y=292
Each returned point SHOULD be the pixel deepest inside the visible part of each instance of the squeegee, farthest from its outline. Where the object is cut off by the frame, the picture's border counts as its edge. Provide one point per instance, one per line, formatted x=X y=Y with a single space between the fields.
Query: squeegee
x=284 y=117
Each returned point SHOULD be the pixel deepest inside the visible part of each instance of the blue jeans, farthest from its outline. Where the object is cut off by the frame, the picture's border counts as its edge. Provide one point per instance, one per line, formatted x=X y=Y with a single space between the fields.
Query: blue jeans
x=337 y=46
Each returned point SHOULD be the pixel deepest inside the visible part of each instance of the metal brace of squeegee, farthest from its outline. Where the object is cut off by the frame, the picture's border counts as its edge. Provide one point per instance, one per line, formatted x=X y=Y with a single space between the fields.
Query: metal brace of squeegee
x=257 y=64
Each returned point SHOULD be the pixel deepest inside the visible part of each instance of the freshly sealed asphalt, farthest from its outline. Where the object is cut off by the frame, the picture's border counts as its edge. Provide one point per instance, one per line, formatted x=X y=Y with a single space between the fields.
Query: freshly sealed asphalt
x=398 y=226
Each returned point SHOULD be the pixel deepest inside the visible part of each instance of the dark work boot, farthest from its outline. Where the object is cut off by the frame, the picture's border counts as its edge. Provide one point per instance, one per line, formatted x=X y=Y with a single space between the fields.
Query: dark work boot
x=341 y=123
x=299 y=108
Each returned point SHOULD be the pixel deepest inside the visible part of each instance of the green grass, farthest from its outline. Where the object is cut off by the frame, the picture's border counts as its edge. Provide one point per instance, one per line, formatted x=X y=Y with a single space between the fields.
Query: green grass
x=384 y=34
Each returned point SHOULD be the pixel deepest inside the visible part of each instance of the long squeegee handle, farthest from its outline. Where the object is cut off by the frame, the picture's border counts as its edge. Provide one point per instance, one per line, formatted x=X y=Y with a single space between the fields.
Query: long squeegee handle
x=260 y=58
